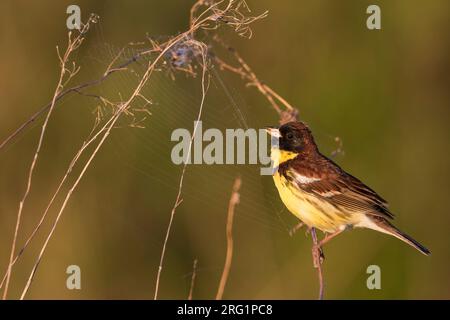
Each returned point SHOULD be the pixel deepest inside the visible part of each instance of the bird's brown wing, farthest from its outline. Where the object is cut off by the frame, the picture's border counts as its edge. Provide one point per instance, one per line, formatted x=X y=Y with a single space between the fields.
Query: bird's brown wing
x=347 y=192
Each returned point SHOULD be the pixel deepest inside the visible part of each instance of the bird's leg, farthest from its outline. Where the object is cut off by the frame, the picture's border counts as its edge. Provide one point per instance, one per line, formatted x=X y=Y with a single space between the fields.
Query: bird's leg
x=296 y=228
x=330 y=236
x=318 y=254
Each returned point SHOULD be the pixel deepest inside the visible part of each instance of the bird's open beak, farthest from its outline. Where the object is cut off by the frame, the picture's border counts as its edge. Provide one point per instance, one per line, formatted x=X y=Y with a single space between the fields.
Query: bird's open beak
x=274 y=132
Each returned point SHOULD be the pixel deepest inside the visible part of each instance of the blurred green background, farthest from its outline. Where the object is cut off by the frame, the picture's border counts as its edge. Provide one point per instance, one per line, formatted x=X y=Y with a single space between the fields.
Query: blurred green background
x=385 y=93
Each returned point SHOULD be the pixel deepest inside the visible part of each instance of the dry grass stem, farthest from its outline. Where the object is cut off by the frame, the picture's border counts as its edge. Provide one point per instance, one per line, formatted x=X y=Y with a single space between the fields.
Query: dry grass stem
x=246 y=73
x=64 y=77
x=317 y=261
x=234 y=200
x=230 y=11
x=105 y=130
x=194 y=275
x=205 y=85
x=110 y=70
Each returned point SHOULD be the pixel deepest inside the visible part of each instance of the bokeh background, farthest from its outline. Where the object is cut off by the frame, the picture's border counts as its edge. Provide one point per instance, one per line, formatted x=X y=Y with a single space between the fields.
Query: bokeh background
x=384 y=93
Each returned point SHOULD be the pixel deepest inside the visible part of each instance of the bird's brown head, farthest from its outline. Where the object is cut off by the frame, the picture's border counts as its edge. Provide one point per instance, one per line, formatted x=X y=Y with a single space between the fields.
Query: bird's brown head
x=294 y=137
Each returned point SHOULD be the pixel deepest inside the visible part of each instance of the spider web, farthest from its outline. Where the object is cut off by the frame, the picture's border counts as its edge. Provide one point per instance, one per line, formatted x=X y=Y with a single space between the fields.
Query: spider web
x=146 y=148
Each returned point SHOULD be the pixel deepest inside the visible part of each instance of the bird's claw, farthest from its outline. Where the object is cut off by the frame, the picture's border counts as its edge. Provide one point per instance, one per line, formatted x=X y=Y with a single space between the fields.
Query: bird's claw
x=295 y=228
x=318 y=256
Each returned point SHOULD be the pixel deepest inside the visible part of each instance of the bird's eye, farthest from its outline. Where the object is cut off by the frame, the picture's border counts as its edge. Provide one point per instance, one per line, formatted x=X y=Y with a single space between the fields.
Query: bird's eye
x=289 y=136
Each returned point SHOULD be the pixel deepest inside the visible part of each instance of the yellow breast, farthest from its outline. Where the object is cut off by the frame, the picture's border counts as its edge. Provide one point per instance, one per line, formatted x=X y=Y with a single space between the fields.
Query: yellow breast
x=310 y=209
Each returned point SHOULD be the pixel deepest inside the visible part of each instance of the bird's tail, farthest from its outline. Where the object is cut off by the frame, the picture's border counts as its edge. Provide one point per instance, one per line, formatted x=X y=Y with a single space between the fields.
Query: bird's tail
x=387 y=227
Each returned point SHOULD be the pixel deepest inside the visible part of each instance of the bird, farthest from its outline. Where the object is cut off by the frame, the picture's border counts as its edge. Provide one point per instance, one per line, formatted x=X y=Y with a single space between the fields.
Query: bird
x=320 y=193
